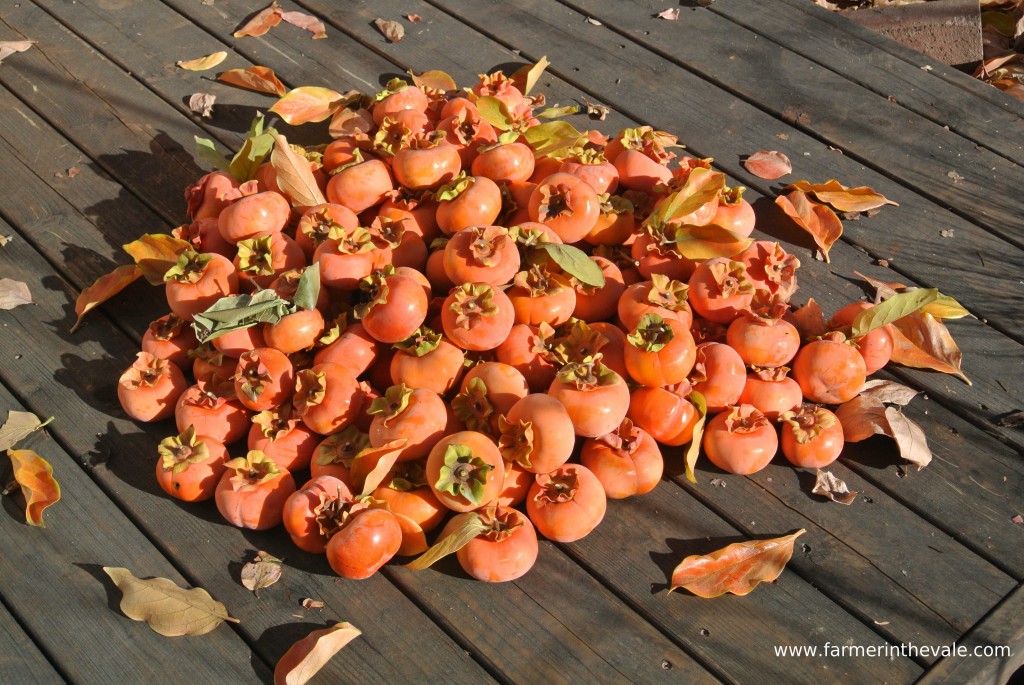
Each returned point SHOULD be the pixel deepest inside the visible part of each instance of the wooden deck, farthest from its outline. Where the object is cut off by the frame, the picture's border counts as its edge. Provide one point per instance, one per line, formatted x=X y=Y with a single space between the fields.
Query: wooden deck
x=928 y=558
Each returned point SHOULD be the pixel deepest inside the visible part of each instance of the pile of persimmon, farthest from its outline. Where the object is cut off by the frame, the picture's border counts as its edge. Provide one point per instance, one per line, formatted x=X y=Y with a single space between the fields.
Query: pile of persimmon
x=491 y=324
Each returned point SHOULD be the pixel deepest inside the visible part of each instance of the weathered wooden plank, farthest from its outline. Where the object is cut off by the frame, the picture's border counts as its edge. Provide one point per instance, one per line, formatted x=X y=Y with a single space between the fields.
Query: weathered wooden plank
x=20 y=658
x=839 y=26
x=77 y=379
x=42 y=567
x=992 y=652
x=862 y=62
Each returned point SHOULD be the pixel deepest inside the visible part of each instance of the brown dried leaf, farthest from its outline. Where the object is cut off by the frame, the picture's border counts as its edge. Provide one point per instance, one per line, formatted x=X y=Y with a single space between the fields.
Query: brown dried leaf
x=923 y=342
x=9 y=47
x=103 y=289
x=307 y=656
x=1018 y=519
x=203 y=63
x=167 y=608
x=74 y=171
x=862 y=417
x=392 y=30
x=818 y=220
x=809 y=320
x=13 y=293
x=260 y=79
x=310 y=603
x=19 y=425
x=307 y=104
x=413 y=18
x=909 y=438
x=202 y=104
x=293 y=175
x=595 y=111
x=832 y=192
x=35 y=476
x=829 y=485
x=347 y=122
x=261 y=22
x=306 y=21
x=671 y=14
x=737 y=568
x=889 y=392
x=768 y=164
x=263 y=571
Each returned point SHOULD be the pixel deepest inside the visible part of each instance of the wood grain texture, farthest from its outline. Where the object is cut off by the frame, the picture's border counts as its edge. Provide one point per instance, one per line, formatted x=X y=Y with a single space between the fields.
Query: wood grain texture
x=20 y=658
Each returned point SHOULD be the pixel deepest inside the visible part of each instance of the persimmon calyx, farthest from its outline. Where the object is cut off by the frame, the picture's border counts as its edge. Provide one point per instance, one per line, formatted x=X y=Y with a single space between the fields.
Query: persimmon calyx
x=471 y=302
x=526 y=237
x=255 y=256
x=516 y=442
x=189 y=268
x=556 y=201
x=558 y=486
x=167 y=328
x=310 y=389
x=341 y=448
x=375 y=289
x=421 y=343
x=276 y=423
x=333 y=512
x=487 y=243
x=772 y=374
x=538 y=281
x=767 y=308
x=356 y=241
x=394 y=401
x=390 y=230
x=456 y=187
x=499 y=523
x=588 y=374
x=254 y=375
x=391 y=137
x=731 y=278
x=808 y=422
x=463 y=474
x=178 y=452
x=408 y=476
x=252 y=470
x=582 y=343
x=668 y=293
x=472 y=407
x=652 y=333
x=625 y=439
x=730 y=196
x=395 y=85
x=145 y=371
x=745 y=418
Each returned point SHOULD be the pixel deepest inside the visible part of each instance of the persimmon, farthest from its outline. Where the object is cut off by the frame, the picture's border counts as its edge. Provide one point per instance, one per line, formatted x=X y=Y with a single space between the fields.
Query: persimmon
x=427 y=360
x=481 y=254
x=282 y=436
x=170 y=338
x=595 y=170
x=516 y=486
x=234 y=344
x=197 y=281
x=407 y=493
x=734 y=212
x=567 y=204
x=616 y=222
x=539 y=295
x=426 y=165
x=208 y=196
x=537 y=434
x=637 y=171
x=314 y=512
x=465 y=470
x=666 y=413
x=830 y=370
x=259 y=260
x=252 y=216
x=467 y=131
x=720 y=290
x=416 y=415
x=660 y=352
x=327 y=397
x=397 y=97
x=334 y=454
x=347 y=257
x=627 y=461
x=771 y=268
x=149 y=389
x=252 y=492
x=504 y=162
x=361 y=185
x=294 y=332
x=502 y=384
x=763 y=340
x=354 y=350
x=467 y=201
x=204 y=236
x=772 y=391
x=660 y=295
x=477 y=316
x=598 y=303
x=506 y=548
x=740 y=440
x=208 y=361
x=719 y=375
x=526 y=349
x=367 y=541
x=396 y=307
x=596 y=397
x=812 y=436
x=875 y=346
x=264 y=378
x=315 y=225
x=190 y=465
x=566 y=504
x=213 y=409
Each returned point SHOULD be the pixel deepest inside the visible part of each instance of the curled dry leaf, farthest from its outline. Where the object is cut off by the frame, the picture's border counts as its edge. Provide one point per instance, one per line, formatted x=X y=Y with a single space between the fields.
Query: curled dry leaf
x=909 y=438
x=19 y=425
x=260 y=79
x=310 y=603
x=307 y=104
x=392 y=30
x=671 y=14
x=1018 y=519
x=832 y=192
x=809 y=320
x=165 y=607
x=9 y=47
x=306 y=21
x=525 y=78
x=263 y=571
x=889 y=392
x=831 y=486
x=103 y=289
x=595 y=111
x=261 y=22
x=862 y=417
x=468 y=526
x=294 y=176
x=202 y=104
x=155 y=253
x=35 y=476
x=307 y=656
x=693 y=450
x=737 y=568
x=768 y=164
x=13 y=293
x=413 y=18
x=818 y=220
x=924 y=342
x=202 y=63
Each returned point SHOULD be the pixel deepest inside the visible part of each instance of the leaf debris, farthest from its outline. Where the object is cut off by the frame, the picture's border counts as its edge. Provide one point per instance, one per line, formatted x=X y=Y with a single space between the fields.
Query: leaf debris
x=167 y=608
x=831 y=486
x=262 y=571
x=13 y=293
x=202 y=104
x=391 y=30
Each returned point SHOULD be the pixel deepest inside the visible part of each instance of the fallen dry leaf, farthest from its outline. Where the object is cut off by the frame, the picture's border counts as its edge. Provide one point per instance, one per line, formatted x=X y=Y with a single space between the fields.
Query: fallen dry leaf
x=307 y=22
x=263 y=571
x=9 y=47
x=693 y=450
x=889 y=392
x=165 y=607
x=768 y=164
x=832 y=192
x=809 y=320
x=294 y=176
x=737 y=568
x=203 y=63
x=392 y=30
x=310 y=603
x=909 y=438
x=817 y=219
x=413 y=18
x=1018 y=519
x=35 y=476
x=19 y=425
x=261 y=22
x=73 y=171
x=862 y=417
x=103 y=289
x=4 y=239
x=924 y=342
x=13 y=293
x=260 y=79
x=307 y=104
x=595 y=22
x=831 y=486
x=155 y=253
x=595 y=111
x=307 y=656
x=671 y=14
x=202 y=104
x=525 y=78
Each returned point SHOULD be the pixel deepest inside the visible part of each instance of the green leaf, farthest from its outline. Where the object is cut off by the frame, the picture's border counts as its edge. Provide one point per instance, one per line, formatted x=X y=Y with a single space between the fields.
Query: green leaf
x=207 y=151
x=307 y=291
x=451 y=543
x=236 y=312
x=702 y=186
x=574 y=262
x=253 y=153
x=693 y=450
x=494 y=112
x=896 y=307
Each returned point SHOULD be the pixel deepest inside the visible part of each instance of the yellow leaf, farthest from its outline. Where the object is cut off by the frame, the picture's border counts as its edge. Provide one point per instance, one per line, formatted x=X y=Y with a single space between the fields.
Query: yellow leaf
x=203 y=63
x=103 y=289
x=35 y=476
